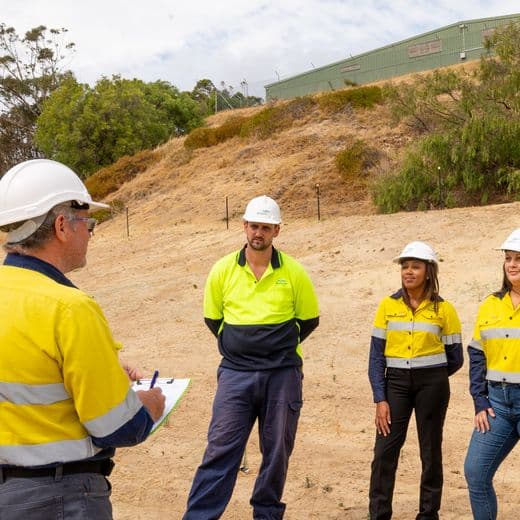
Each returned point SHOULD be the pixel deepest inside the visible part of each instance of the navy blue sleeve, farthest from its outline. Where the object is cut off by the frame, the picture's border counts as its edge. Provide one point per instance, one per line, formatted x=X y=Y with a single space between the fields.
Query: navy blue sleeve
x=133 y=432
x=307 y=326
x=455 y=355
x=477 y=379
x=213 y=325
x=377 y=368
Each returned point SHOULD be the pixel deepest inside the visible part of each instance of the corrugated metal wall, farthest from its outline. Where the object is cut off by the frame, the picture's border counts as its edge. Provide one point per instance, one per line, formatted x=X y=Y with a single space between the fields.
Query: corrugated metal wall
x=456 y=43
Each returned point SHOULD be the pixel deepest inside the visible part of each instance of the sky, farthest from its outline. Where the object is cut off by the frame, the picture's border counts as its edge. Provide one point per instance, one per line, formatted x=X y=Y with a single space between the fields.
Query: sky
x=237 y=43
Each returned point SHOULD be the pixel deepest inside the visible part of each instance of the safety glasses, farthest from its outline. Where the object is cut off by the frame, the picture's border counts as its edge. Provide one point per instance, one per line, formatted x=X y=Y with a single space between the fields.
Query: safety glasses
x=91 y=222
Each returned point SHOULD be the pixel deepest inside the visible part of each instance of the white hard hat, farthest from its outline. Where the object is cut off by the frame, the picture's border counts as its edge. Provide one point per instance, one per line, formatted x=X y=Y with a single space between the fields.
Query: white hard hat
x=263 y=209
x=512 y=242
x=30 y=189
x=417 y=249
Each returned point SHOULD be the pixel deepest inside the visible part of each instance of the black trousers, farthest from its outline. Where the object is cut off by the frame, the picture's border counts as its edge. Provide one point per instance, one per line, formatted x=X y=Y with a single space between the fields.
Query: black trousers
x=427 y=391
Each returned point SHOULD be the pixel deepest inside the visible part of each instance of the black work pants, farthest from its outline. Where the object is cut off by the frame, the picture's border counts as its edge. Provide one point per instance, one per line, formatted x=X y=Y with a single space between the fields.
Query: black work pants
x=427 y=391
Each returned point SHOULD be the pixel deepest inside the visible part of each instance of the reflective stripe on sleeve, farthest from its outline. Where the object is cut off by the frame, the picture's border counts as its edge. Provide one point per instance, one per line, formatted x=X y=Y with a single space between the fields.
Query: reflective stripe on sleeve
x=452 y=339
x=378 y=332
x=18 y=393
x=506 y=377
x=47 y=453
x=417 y=362
x=116 y=417
x=414 y=325
x=503 y=333
x=476 y=344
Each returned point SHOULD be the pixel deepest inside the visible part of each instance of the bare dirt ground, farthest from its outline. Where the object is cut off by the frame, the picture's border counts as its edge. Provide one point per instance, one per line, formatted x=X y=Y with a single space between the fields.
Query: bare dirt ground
x=150 y=285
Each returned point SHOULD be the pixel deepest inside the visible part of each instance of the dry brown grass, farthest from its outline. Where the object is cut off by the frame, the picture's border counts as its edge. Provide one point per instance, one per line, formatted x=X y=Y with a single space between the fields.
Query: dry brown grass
x=193 y=185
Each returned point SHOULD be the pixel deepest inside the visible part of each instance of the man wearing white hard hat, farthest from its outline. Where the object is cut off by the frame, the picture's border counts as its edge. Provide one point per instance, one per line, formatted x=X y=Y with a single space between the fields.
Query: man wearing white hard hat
x=494 y=373
x=65 y=400
x=415 y=346
x=260 y=304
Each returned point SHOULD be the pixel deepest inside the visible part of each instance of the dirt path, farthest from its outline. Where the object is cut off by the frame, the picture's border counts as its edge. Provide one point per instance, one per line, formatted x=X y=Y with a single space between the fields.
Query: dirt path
x=150 y=286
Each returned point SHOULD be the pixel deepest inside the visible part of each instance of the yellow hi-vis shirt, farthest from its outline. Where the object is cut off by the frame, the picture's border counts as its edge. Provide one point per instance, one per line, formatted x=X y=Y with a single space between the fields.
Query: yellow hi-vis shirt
x=497 y=335
x=416 y=339
x=60 y=378
x=260 y=323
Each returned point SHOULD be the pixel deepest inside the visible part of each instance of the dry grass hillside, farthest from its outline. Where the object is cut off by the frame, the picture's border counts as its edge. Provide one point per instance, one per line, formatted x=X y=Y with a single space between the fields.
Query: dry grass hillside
x=194 y=184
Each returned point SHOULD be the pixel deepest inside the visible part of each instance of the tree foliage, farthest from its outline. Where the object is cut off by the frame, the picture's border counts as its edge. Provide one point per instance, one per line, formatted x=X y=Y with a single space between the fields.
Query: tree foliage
x=91 y=127
x=211 y=99
x=31 y=67
x=470 y=153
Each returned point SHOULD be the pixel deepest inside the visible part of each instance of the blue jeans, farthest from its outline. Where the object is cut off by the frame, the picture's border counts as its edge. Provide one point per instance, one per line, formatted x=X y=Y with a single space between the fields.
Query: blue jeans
x=82 y=496
x=275 y=398
x=486 y=451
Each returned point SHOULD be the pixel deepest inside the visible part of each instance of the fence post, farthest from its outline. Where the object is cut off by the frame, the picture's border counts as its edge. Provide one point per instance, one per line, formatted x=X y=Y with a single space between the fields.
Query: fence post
x=127 y=224
x=227 y=213
x=318 y=200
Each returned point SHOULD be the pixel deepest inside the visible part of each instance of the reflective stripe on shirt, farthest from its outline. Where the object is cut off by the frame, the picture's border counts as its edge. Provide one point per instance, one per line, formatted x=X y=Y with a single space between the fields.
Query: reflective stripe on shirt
x=18 y=393
x=500 y=333
x=503 y=377
x=475 y=343
x=451 y=339
x=414 y=326
x=417 y=362
x=41 y=454
x=116 y=417
x=377 y=332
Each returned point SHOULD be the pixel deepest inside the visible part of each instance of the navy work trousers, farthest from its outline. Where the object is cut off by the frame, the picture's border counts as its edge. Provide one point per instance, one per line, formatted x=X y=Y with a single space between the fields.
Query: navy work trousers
x=427 y=391
x=275 y=398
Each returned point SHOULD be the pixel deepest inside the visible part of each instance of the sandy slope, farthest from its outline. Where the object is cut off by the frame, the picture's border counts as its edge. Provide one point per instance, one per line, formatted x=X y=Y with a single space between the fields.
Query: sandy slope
x=150 y=286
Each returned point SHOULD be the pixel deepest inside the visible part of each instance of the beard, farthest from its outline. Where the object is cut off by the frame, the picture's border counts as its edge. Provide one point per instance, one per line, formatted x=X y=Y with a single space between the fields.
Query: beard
x=258 y=244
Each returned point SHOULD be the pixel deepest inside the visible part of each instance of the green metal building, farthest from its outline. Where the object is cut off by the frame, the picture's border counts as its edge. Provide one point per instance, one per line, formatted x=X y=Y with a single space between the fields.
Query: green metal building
x=456 y=43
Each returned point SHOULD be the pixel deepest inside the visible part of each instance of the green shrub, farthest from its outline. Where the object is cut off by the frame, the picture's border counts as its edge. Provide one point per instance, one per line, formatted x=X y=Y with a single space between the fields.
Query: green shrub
x=201 y=138
x=471 y=165
x=262 y=125
x=230 y=128
x=341 y=100
x=351 y=160
x=111 y=178
x=276 y=118
x=206 y=137
x=412 y=189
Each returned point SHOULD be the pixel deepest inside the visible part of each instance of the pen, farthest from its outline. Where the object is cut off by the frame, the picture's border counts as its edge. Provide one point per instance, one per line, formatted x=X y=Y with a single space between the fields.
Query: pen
x=154 y=379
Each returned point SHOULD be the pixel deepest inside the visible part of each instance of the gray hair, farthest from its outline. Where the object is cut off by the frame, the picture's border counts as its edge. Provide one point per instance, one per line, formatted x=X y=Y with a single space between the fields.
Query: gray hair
x=42 y=234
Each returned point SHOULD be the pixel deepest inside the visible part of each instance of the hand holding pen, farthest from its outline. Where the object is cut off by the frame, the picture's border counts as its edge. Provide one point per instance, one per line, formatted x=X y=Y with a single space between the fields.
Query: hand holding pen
x=153 y=399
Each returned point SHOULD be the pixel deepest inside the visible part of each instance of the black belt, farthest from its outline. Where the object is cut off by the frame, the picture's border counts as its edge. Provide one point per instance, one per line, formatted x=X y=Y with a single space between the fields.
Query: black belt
x=103 y=467
x=504 y=384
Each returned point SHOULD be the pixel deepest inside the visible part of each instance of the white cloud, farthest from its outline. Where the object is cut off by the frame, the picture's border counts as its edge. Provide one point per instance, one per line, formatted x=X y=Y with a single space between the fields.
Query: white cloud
x=231 y=40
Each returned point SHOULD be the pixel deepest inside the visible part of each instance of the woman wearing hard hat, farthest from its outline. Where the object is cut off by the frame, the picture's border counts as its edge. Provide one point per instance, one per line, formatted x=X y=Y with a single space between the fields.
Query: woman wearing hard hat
x=415 y=346
x=494 y=353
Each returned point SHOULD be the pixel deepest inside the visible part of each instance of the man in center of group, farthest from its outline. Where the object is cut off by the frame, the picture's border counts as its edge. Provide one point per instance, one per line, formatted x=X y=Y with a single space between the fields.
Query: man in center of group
x=260 y=304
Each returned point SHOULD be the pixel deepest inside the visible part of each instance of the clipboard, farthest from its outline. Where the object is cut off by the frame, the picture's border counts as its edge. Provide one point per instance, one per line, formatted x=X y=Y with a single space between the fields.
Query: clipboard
x=172 y=388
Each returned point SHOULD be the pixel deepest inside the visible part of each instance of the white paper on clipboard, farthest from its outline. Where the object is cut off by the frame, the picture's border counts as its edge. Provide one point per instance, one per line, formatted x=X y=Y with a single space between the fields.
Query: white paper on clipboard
x=172 y=388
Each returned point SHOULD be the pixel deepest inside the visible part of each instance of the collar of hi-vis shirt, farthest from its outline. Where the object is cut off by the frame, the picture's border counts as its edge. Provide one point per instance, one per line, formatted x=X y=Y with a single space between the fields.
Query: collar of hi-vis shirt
x=40 y=266
x=399 y=295
x=275 y=258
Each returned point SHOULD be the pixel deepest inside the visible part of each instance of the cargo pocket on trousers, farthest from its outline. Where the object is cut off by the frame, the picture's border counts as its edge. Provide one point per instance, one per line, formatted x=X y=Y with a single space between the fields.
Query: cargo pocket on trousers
x=292 y=422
